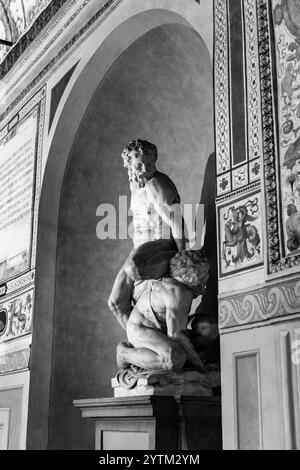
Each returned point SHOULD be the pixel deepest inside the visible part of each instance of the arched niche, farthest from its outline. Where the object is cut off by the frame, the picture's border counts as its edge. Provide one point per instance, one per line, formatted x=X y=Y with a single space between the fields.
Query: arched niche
x=157 y=86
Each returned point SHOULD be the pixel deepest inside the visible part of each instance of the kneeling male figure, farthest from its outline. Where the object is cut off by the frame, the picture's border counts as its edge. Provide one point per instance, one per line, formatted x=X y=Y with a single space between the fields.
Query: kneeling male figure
x=157 y=325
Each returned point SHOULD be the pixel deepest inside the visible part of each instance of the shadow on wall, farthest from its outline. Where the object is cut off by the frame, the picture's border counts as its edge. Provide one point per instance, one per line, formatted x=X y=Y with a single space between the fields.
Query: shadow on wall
x=160 y=89
x=209 y=302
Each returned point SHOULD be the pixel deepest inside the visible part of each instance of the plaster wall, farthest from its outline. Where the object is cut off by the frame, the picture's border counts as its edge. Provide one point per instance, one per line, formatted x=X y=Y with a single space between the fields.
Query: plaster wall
x=146 y=93
x=261 y=386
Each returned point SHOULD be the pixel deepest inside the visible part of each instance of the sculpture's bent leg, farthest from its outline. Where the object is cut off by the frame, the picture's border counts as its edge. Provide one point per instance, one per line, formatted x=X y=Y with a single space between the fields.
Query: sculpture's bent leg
x=150 y=260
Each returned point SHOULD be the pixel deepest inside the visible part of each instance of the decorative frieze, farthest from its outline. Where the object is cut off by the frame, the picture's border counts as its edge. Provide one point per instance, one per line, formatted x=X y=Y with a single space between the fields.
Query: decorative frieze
x=223 y=184
x=233 y=176
x=16 y=17
x=255 y=170
x=41 y=23
x=222 y=87
x=20 y=282
x=14 y=361
x=253 y=81
x=259 y=305
x=240 y=177
x=286 y=15
x=280 y=166
x=16 y=316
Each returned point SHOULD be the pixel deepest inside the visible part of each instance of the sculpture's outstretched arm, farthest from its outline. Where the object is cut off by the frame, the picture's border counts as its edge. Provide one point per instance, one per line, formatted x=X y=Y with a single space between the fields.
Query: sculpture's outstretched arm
x=119 y=314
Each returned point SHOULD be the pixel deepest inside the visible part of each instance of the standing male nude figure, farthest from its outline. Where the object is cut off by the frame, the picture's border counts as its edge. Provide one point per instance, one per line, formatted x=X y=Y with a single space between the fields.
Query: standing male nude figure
x=154 y=202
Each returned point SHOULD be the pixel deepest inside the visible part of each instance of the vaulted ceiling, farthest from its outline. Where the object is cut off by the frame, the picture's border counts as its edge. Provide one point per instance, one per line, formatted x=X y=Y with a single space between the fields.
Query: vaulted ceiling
x=16 y=17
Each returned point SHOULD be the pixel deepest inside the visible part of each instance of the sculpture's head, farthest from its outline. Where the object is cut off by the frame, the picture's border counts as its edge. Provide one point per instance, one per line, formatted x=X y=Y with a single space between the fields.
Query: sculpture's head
x=192 y=268
x=140 y=157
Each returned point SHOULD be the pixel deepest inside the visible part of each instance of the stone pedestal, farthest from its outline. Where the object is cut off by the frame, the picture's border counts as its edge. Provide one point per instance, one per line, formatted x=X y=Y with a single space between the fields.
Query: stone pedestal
x=151 y=422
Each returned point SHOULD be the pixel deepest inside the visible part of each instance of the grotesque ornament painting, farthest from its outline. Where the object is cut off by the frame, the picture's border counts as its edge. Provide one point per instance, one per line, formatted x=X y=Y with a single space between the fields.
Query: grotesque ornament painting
x=240 y=235
x=286 y=14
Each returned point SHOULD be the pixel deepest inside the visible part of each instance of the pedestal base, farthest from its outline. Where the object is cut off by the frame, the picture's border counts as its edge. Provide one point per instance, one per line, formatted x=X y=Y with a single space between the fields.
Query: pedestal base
x=155 y=422
x=188 y=383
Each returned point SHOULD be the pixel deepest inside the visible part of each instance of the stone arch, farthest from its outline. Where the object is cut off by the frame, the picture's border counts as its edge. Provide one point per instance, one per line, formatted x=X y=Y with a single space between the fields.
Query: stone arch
x=45 y=428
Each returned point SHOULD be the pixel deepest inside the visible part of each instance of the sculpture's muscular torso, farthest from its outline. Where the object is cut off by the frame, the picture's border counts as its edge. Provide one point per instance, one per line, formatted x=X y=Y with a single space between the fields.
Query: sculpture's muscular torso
x=155 y=205
x=150 y=206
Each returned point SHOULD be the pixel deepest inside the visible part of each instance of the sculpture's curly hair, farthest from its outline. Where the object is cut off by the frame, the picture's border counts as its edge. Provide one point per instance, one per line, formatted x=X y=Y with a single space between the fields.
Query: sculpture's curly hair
x=139 y=145
x=192 y=267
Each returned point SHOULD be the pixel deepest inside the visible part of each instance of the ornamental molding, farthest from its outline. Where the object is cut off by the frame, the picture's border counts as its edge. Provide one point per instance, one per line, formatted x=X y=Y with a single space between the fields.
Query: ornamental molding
x=41 y=22
x=222 y=117
x=262 y=304
x=242 y=191
x=262 y=114
x=253 y=80
x=14 y=361
x=20 y=282
x=64 y=50
x=19 y=311
x=278 y=264
x=233 y=176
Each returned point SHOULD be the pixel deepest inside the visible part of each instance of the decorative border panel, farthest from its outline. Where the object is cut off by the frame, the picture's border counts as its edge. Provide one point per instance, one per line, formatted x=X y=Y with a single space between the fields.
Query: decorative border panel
x=281 y=169
x=14 y=361
x=260 y=305
x=253 y=80
x=36 y=28
x=19 y=310
x=287 y=64
x=16 y=17
x=232 y=177
x=224 y=184
x=278 y=261
x=255 y=170
x=35 y=107
x=222 y=118
x=93 y=23
x=240 y=177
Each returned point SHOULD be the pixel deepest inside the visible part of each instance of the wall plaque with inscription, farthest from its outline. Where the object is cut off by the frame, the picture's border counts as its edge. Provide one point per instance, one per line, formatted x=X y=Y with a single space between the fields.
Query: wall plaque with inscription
x=18 y=151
